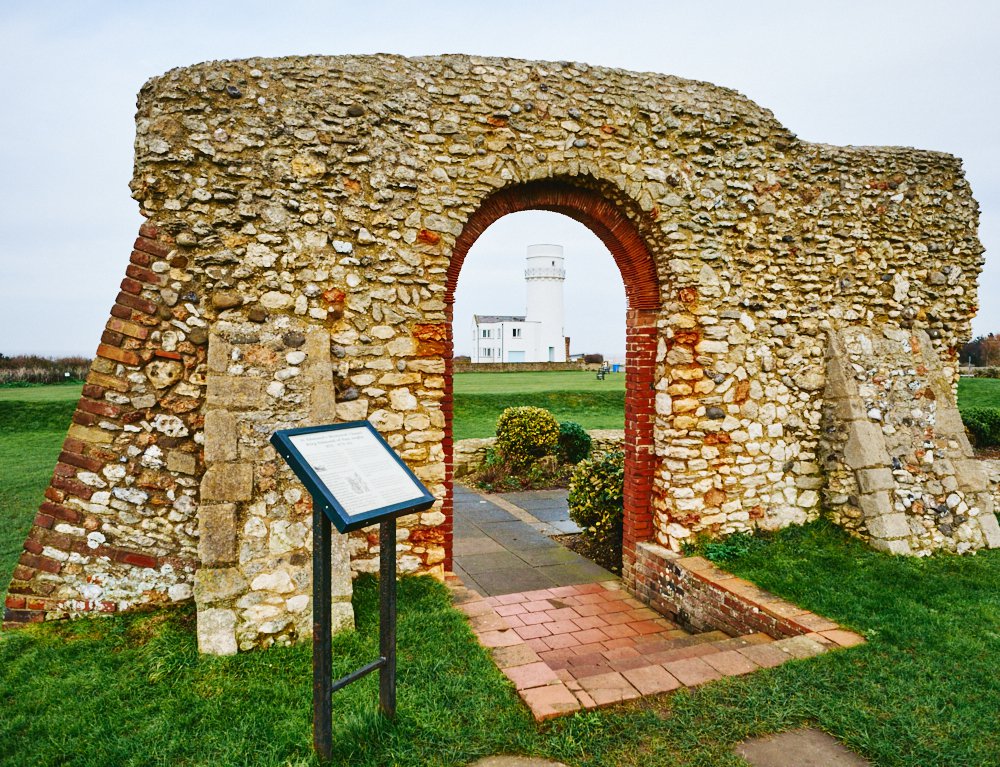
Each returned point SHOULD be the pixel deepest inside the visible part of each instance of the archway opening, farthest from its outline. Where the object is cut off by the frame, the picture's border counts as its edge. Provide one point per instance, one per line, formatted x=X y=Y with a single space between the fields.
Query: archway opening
x=610 y=221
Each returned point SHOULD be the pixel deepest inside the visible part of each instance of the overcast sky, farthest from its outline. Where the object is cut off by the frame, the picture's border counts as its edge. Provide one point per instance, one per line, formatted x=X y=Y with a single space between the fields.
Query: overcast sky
x=921 y=74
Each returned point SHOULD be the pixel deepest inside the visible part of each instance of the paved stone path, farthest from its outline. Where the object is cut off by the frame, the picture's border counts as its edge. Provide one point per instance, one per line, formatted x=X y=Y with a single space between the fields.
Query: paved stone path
x=798 y=748
x=564 y=630
x=502 y=543
x=515 y=761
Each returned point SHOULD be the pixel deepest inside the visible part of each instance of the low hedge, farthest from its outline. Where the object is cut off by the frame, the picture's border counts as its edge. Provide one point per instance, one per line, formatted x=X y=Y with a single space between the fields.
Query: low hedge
x=525 y=434
x=983 y=424
x=595 y=504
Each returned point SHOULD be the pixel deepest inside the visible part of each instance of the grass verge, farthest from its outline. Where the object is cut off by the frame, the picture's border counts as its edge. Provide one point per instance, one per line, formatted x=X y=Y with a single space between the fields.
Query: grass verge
x=978 y=392
x=476 y=414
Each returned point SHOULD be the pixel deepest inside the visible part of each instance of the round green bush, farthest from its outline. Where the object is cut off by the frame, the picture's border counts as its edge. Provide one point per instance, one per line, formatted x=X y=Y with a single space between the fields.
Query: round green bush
x=983 y=424
x=526 y=433
x=595 y=501
x=574 y=442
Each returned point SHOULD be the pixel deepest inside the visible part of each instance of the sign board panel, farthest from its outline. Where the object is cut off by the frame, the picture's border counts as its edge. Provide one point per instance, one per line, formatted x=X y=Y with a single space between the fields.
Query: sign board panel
x=352 y=472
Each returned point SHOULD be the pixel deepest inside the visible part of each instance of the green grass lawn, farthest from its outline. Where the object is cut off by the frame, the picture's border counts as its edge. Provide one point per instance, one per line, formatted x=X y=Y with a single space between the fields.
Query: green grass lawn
x=979 y=392
x=46 y=393
x=562 y=380
x=572 y=395
x=132 y=690
x=33 y=423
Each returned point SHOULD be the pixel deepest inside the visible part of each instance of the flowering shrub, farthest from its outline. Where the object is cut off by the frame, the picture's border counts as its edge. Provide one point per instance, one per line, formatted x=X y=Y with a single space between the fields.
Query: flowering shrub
x=574 y=442
x=526 y=433
x=595 y=502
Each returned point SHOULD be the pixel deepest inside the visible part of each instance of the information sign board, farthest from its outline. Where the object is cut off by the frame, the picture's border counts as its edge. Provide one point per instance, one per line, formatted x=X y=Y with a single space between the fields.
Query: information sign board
x=352 y=472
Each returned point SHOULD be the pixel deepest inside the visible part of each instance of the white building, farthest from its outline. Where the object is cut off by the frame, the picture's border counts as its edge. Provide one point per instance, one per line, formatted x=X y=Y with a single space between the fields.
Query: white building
x=538 y=336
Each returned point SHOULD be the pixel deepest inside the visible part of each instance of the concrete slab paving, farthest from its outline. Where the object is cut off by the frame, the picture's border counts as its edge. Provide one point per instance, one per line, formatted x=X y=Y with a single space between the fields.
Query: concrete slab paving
x=798 y=748
x=511 y=581
x=502 y=543
x=515 y=761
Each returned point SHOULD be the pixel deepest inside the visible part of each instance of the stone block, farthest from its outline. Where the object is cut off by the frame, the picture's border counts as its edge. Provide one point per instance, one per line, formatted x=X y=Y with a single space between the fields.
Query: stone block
x=341 y=584
x=970 y=475
x=342 y=615
x=888 y=526
x=221 y=436
x=898 y=547
x=217 y=533
x=181 y=462
x=848 y=409
x=227 y=482
x=838 y=385
x=217 y=632
x=89 y=434
x=323 y=402
x=865 y=446
x=217 y=584
x=235 y=393
x=874 y=480
x=875 y=505
x=948 y=421
x=991 y=530
x=219 y=351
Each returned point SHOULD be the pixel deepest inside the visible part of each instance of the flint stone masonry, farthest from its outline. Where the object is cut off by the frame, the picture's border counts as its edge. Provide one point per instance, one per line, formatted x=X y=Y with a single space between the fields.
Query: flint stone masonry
x=307 y=220
x=899 y=467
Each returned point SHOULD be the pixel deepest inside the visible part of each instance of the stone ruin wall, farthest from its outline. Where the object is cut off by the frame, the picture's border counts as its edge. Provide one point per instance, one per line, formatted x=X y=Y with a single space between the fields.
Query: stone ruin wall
x=294 y=269
x=900 y=471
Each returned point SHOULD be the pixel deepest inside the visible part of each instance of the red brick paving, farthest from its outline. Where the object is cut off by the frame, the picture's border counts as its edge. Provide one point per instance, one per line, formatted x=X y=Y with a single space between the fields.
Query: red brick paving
x=591 y=645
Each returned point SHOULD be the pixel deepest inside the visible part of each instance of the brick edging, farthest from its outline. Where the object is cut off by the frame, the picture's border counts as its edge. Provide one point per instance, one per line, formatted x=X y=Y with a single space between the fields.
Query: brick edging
x=697 y=594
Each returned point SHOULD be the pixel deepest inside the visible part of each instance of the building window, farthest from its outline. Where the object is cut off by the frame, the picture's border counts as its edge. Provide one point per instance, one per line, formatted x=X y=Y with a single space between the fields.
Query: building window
x=516 y=332
x=487 y=352
x=487 y=333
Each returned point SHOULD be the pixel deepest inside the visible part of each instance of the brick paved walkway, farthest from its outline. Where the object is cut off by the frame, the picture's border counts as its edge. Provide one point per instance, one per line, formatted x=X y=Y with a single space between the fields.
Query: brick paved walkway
x=579 y=647
x=568 y=635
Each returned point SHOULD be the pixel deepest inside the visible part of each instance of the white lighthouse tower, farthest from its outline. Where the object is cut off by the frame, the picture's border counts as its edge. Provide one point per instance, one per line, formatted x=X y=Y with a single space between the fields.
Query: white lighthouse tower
x=539 y=335
x=545 y=276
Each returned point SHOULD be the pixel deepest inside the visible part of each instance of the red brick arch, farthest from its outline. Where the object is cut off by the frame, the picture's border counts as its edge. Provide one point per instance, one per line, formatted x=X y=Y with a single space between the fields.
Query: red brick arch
x=642 y=290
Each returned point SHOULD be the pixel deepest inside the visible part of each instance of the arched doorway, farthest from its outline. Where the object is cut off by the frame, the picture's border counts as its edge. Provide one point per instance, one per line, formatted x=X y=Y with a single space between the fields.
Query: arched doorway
x=620 y=235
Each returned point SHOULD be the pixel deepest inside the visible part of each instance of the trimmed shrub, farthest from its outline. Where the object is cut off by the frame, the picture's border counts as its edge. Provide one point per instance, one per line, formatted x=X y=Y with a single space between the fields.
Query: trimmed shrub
x=574 y=442
x=983 y=424
x=526 y=433
x=595 y=503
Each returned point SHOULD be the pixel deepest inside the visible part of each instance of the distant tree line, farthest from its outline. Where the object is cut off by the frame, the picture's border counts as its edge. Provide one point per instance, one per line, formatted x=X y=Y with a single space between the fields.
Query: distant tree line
x=30 y=368
x=982 y=351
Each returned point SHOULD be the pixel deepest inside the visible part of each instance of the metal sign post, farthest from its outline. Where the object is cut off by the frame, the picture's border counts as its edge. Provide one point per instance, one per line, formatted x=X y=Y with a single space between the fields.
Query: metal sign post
x=355 y=479
x=323 y=684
